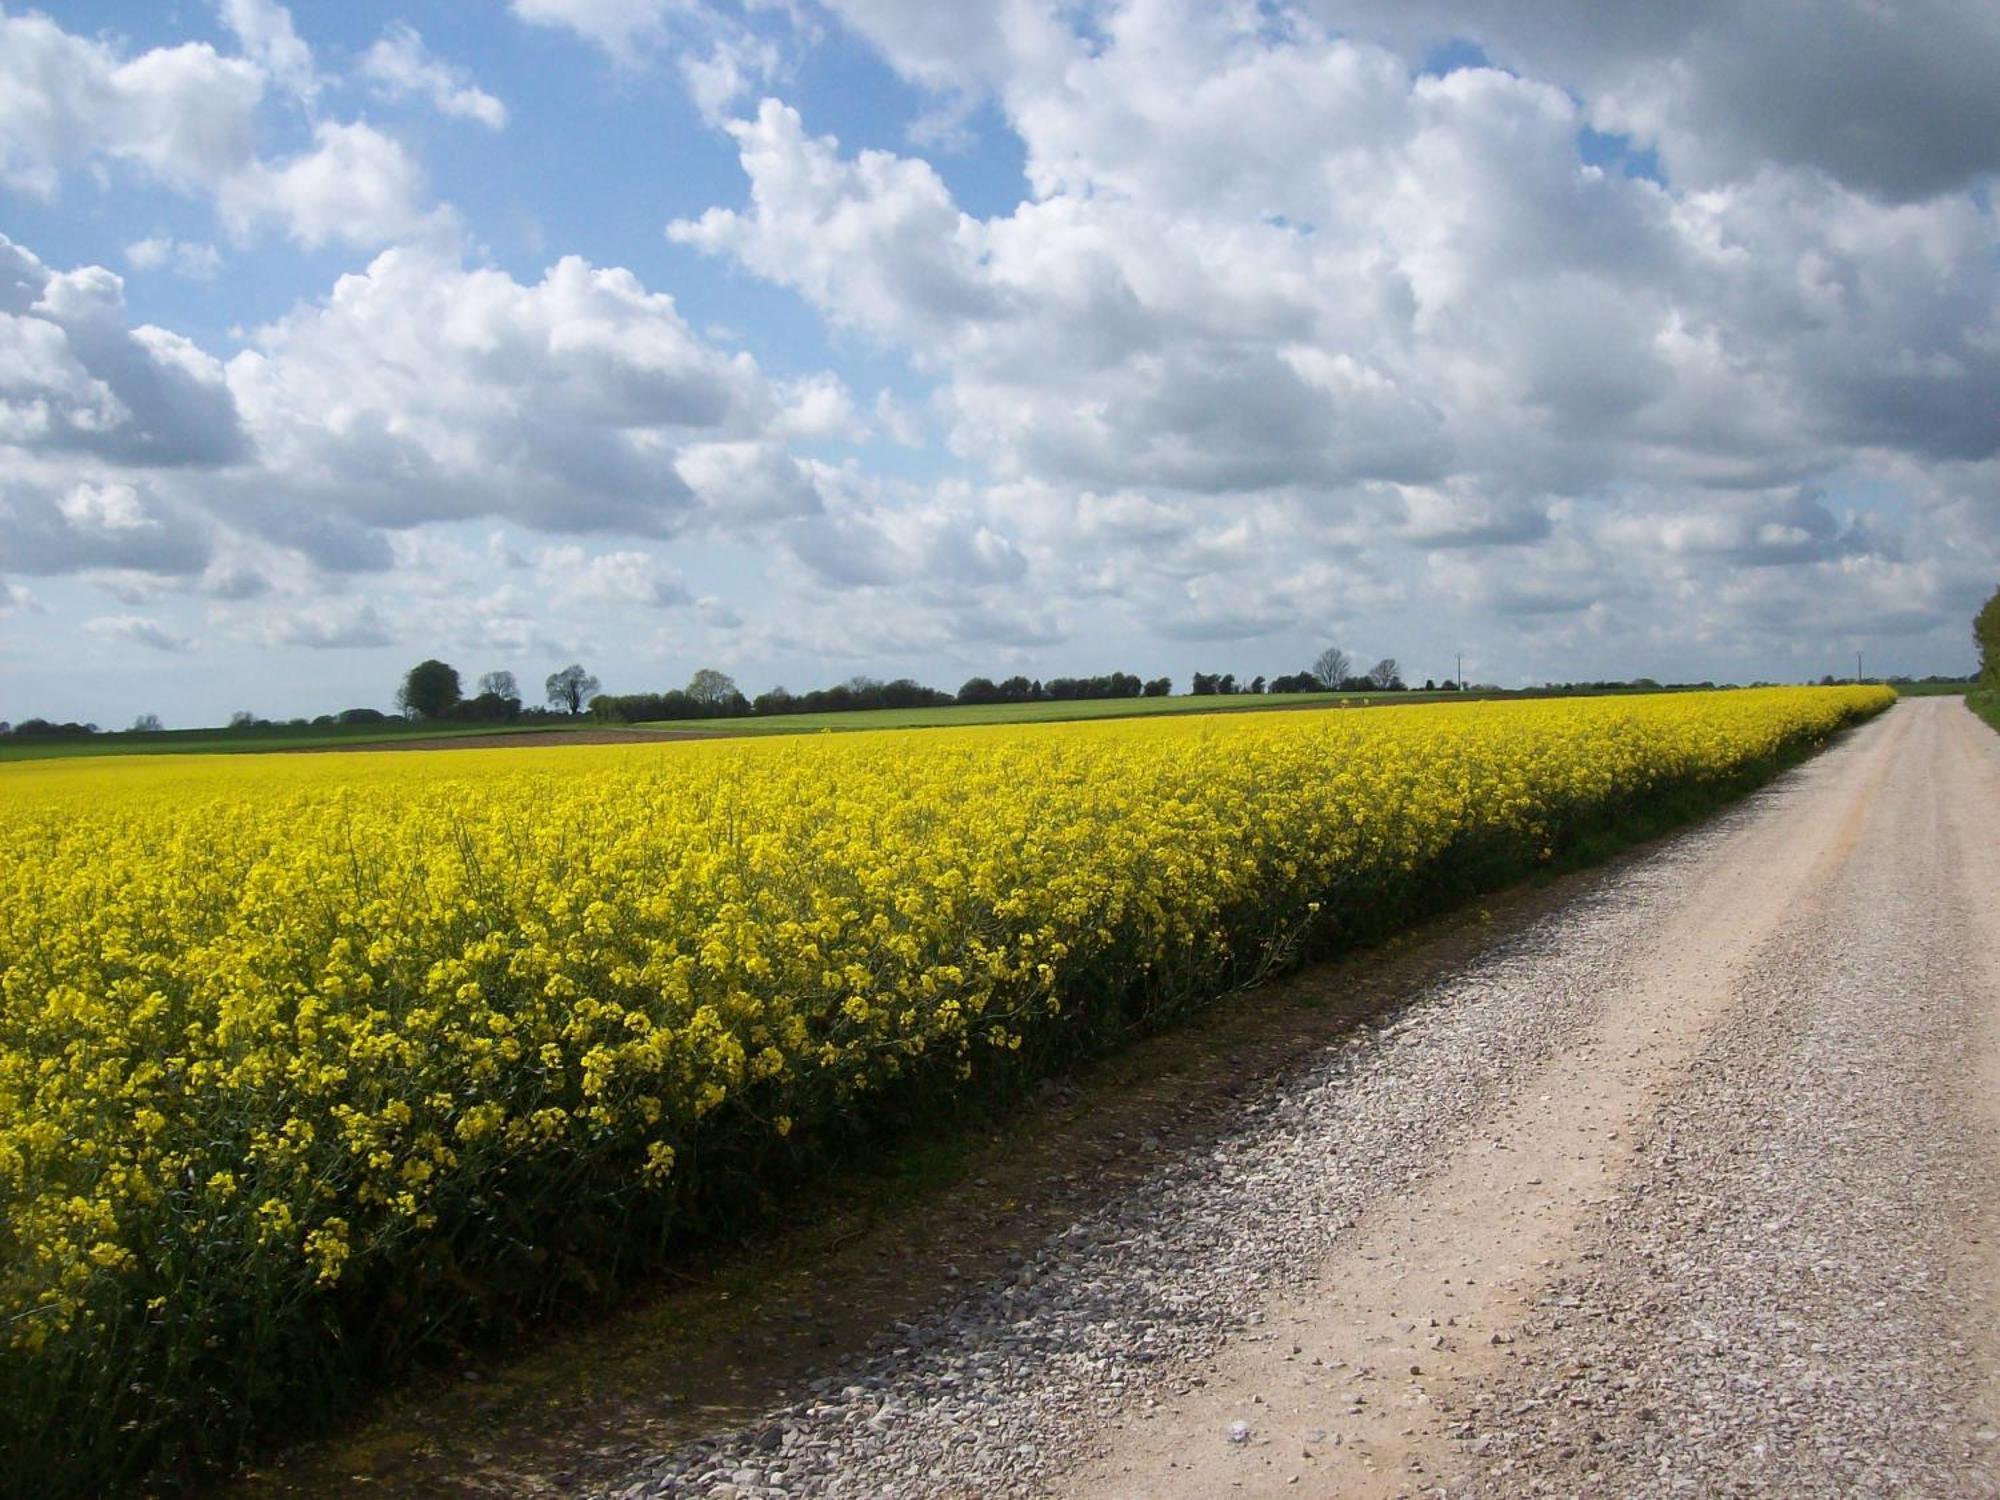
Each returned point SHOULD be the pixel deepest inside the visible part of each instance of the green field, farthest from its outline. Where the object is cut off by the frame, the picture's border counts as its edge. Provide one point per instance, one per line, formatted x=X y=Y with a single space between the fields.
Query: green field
x=959 y=715
x=253 y=741
x=966 y=715
x=1933 y=689
x=285 y=737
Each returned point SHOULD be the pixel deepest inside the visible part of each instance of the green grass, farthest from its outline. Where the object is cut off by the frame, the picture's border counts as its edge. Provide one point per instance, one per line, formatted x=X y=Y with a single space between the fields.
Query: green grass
x=957 y=715
x=1933 y=689
x=253 y=741
x=1986 y=703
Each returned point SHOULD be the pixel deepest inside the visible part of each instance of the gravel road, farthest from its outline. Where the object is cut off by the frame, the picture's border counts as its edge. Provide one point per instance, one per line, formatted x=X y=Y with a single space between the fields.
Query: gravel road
x=1693 y=1188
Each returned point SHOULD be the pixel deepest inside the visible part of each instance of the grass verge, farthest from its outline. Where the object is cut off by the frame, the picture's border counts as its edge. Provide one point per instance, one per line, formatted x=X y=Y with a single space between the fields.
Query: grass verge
x=1986 y=703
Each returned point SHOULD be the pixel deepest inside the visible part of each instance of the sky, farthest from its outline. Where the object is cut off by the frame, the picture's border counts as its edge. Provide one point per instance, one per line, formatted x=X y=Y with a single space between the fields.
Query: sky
x=812 y=338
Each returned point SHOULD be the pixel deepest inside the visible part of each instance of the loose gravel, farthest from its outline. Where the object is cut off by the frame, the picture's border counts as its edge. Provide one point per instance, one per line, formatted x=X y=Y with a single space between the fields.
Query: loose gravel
x=997 y=1395
x=1777 y=1302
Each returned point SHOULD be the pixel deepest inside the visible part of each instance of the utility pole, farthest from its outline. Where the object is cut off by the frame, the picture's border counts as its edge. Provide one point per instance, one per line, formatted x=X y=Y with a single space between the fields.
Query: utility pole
x=1857 y=669
x=1461 y=671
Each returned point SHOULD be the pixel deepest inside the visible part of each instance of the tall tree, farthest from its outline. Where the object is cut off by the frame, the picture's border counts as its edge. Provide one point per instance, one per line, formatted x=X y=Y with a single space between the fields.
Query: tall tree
x=1385 y=674
x=1332 y=667
x=571 y=688
x=500 y=685
x=1986 y=632
x=429 y=689
x=146 y=724
x=712 y=689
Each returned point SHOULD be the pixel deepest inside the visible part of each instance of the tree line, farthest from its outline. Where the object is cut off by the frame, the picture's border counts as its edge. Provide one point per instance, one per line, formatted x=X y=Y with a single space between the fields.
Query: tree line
x=712 y=694
x=433 y=691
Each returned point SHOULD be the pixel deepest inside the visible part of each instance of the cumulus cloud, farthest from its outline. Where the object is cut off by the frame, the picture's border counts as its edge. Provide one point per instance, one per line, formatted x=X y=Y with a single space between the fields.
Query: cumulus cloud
x=355 y=185
x=618 y=26
x=399 y=66
x=267 y=36
x=1277 y=272
x=136 y=630
x=327 y=625
x=185 y=117
x=182 y=114
x=628 y=576
x=74 y=373
x=1292 y=336
x=420 y=390
x=191 y=260
x=1895 y=100
x=105 y=524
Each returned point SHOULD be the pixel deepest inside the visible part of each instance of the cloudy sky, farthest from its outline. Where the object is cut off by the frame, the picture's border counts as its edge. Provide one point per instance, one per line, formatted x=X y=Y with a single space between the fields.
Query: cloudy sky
x=804 y=338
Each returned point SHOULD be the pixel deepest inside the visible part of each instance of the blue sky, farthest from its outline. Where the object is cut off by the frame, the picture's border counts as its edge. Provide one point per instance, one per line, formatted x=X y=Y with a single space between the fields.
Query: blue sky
x=810 y=339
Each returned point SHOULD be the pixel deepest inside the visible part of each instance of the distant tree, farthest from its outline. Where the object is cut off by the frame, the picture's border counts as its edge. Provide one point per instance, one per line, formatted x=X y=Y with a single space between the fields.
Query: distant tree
x=242 y=719
x=429 y=689
x=360 y=716
x=1159 y=687
x=1332 y=666
x=488 y=708
x=147 y=724
x=500 y=685
x=1430 y=685
x=1257 y=684
x=712 y=689
x=1385 y=674
x=570 y=688
x=778 y=701
x=1986 y=634
x=1204 y=685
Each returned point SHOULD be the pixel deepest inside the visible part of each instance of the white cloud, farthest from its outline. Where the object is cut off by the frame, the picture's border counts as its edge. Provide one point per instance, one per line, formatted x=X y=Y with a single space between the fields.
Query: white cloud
x=1273 y=277
x=75 y=375
x=618 y=26
x=182 y=114
x=326 y=625
x=400 y=67
x=628 y=576
x=421 y=391
x=191 y=260
x=135 y=630
x=50 y=528
x=356 y=185
x=1891 y=99
x=735 y=64
x=15 y=600
x=1288 y=340
x=265 y=31
x=186 y=117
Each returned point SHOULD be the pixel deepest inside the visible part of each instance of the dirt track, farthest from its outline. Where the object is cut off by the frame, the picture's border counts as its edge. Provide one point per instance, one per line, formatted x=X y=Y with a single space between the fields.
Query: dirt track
x=1736 y=1234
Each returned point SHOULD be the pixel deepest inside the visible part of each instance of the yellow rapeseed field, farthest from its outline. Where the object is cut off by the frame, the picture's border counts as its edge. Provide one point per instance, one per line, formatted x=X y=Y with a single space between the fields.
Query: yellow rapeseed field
x=305 y=1058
